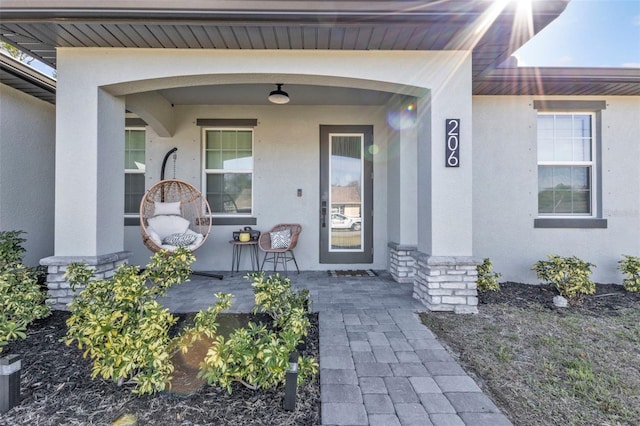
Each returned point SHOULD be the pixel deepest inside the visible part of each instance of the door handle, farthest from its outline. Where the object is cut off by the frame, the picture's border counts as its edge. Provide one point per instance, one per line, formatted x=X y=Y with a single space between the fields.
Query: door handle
x=323 y=214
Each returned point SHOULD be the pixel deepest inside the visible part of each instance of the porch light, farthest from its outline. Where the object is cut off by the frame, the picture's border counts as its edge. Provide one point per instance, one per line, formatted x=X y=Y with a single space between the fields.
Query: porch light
x=279 y=96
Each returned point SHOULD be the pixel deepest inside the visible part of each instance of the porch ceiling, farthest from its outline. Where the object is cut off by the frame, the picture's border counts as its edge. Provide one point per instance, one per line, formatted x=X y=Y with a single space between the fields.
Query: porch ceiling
x=256 y=94
x=39 y=26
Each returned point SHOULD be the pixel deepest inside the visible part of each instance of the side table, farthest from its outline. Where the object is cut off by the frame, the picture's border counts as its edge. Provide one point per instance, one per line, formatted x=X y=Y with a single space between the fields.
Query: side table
x=237 y=254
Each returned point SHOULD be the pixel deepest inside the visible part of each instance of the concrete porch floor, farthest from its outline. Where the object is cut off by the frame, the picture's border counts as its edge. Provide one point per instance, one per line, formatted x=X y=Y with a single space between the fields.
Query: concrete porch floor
x=378 y=364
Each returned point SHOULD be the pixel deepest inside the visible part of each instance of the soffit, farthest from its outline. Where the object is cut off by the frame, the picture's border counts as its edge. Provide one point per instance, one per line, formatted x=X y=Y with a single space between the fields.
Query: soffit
x=41 y=26
x=24 y=78
x=560 y=81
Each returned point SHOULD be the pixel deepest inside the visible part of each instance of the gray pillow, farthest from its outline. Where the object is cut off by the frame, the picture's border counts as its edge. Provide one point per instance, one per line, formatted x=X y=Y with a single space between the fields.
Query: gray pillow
x=182 y=240
x=280 y=239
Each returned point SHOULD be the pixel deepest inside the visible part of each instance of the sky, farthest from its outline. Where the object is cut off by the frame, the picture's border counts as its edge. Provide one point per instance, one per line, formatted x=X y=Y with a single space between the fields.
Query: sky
x=589 y=33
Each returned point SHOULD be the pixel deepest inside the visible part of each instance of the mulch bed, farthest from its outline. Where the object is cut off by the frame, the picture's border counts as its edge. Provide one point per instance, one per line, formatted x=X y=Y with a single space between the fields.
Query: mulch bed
x=56 y=388
x=608 y=298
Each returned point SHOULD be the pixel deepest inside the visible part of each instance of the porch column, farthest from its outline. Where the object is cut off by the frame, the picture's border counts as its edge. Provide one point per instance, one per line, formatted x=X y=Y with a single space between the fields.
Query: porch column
x=445 y=272
x=402 y=210
x=89 y=187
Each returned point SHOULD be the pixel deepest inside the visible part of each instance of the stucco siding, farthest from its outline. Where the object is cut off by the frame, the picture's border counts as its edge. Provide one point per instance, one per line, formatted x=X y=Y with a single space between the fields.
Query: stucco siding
x=286 y=151
x=27 y=146
x=505 y=183
x=286 y=158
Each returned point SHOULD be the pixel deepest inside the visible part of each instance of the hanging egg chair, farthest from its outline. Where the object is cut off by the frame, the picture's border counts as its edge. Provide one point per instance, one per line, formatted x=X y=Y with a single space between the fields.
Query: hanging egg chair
x=174 y=214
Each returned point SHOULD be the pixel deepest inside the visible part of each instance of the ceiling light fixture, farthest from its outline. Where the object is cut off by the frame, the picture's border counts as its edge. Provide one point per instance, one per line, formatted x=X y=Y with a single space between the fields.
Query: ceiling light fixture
x=279 y=96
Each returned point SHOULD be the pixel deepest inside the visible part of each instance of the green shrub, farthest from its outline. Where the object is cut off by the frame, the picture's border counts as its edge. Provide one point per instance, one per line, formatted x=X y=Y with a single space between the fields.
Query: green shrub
x=21 y=299
x=258 y=356
x=569 y=275
x=119 y=323
x=205 y=323
x=274 y=296
x=487 y=280
x=630 y=266
x=11 y=250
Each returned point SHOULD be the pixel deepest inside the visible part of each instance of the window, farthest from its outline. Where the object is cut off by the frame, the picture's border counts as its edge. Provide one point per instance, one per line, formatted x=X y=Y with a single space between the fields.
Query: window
x=228 y=170
x=566 y=164
x=134 y=167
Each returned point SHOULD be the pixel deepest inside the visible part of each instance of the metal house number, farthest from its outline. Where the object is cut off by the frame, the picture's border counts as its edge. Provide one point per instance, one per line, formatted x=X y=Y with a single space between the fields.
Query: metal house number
x=453 y=142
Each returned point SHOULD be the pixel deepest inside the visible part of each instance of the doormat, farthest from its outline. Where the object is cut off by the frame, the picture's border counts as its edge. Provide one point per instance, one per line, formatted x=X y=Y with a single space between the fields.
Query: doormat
x=352 y=273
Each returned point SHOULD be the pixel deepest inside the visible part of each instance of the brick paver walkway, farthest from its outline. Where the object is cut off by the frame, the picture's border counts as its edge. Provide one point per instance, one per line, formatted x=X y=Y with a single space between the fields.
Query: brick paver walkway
x=378 y=364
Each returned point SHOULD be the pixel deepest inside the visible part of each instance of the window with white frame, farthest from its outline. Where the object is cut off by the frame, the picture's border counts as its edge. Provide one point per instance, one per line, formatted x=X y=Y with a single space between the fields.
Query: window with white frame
x=228 y=170
x=134 y=168
x=566 y=164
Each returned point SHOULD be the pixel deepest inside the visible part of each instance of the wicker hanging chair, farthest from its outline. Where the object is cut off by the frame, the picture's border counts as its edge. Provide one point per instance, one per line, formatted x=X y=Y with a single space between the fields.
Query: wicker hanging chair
x=164 y=212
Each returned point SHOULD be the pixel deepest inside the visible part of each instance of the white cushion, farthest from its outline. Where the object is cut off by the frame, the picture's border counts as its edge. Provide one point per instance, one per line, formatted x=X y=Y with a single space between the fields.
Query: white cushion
x=280 y=239
x=166 y=208
x=165 y=225
x=154 y=236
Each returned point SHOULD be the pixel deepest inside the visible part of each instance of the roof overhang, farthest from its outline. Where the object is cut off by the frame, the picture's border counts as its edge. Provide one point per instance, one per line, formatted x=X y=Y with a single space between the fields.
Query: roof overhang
x=39 y=26
x=560 y=81
x=22 y=77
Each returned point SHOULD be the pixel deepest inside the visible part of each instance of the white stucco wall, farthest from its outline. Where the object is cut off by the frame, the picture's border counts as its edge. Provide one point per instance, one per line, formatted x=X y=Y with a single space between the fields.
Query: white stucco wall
x=27 y=144
x=286 y=157
x=443 y=77
x=505 y=189
x=402 y=165
x=444 y=193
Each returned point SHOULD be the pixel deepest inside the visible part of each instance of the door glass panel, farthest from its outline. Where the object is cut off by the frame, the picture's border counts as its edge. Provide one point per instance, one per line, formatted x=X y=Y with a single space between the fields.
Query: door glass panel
x=346 y=169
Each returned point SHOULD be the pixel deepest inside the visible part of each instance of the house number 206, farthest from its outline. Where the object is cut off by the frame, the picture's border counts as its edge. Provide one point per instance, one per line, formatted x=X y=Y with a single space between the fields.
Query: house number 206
x=453 y=142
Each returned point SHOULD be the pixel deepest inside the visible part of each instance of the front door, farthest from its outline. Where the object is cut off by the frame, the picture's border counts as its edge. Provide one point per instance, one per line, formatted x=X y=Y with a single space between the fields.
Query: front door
x=346 y=194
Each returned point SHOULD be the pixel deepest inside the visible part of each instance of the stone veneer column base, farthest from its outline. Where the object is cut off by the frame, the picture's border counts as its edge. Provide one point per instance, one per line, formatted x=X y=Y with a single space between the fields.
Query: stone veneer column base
x=446 y=283
x=60 y=292
x=401 y=262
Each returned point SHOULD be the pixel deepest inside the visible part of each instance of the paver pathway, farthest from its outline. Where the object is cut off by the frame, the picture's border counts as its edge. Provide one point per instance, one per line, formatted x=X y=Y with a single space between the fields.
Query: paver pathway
x=378 y=364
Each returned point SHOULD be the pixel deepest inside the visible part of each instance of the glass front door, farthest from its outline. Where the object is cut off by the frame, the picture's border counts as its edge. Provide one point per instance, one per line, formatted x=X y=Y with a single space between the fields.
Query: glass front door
x=346 y=218
x=345 y=194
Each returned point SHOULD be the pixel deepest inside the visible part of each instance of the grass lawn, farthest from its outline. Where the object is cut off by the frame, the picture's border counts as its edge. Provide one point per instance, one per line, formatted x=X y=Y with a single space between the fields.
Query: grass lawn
x=545 y=366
